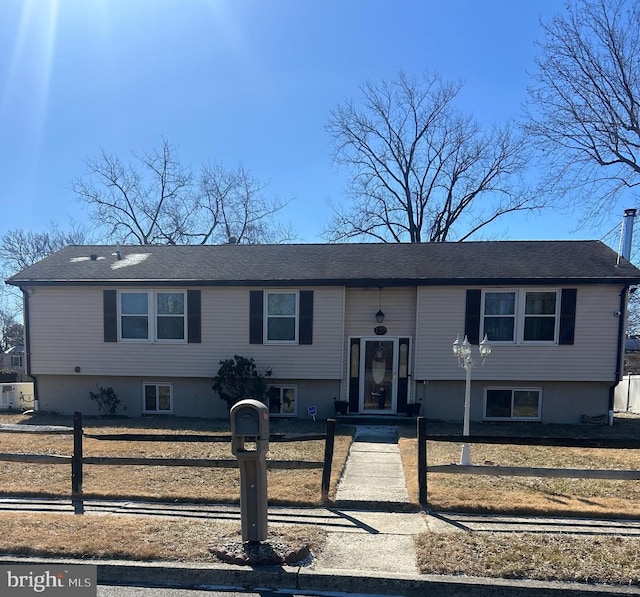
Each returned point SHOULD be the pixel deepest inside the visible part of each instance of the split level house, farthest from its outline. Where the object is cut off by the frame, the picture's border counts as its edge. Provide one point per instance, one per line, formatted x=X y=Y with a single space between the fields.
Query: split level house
x=369 y=324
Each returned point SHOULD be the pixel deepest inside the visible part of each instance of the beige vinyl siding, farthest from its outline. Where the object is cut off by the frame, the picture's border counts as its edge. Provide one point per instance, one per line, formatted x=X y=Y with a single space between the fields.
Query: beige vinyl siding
x=441 y=313
x=66 y=329
x=320 y=360
x=67 y=332
x=397 y=304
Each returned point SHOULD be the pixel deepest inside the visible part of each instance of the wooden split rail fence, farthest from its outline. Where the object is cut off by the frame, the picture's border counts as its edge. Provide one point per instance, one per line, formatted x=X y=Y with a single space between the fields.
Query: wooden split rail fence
x=78 y=460
x=518 y=471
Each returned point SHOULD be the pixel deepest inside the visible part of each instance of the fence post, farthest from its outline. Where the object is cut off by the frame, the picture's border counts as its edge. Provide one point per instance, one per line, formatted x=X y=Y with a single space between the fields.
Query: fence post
x=76 y=459
x=328 y=458
x=422 y=461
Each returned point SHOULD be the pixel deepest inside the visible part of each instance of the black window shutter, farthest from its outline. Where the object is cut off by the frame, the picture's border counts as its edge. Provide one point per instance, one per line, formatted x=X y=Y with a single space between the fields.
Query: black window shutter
x=305 y=331
x=256 y=313
x=110 y=311
x=568 y=316
x=194 y=312
x=354 y=375
x=472 y=316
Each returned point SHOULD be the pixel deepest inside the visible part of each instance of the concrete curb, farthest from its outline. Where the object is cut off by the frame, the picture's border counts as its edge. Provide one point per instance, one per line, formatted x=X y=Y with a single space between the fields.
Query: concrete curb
x=446 y=586
x=175 y=574
x=198 y=575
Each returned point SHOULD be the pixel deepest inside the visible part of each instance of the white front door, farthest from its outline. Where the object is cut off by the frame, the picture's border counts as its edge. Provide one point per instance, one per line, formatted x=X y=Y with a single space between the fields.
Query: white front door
x=378 y=375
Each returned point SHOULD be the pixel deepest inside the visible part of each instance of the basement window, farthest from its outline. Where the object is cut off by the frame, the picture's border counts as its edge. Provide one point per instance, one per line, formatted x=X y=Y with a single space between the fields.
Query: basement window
x=283 y=400
x=157 y=398
x=512 y=404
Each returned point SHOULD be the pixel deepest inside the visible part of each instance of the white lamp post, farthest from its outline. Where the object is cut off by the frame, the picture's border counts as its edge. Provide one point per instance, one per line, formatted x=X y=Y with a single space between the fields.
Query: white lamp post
x=462 y=350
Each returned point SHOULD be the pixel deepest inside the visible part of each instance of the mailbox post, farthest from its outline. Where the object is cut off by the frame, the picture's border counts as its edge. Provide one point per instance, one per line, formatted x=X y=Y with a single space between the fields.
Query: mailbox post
x=250 y=444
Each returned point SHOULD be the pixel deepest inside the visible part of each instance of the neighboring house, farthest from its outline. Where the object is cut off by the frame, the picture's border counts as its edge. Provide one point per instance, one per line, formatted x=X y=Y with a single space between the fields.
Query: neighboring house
x=153 y=322
x=632 y=344
x=632 y=355
x=12 y=361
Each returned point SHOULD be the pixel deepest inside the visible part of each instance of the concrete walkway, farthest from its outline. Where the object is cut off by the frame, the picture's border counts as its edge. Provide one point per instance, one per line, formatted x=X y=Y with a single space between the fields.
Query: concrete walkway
x=373 y=472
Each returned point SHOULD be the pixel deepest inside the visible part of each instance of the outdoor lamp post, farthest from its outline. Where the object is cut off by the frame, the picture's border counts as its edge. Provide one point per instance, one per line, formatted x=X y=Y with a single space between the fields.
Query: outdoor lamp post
x=462 y=350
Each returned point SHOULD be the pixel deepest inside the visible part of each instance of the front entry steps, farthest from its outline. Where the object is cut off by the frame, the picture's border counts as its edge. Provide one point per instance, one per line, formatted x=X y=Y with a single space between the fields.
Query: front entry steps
x=362 y=419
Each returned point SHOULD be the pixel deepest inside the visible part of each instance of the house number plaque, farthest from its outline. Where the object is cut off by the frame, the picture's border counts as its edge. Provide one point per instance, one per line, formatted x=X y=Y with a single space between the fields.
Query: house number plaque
x=380 y=330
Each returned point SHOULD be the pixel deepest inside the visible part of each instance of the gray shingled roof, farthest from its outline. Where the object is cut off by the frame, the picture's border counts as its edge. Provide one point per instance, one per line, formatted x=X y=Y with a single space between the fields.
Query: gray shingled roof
x=350 y=264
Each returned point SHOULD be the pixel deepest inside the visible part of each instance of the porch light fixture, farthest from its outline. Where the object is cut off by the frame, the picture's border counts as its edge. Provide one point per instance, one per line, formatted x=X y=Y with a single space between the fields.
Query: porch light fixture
x=462 y=350
x=380 y=314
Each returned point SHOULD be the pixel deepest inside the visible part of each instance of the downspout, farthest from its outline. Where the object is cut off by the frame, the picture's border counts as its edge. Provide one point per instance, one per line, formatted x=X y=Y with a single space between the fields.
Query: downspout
x=621 y=344
x=344 y=382
x=625 y=250
x=27 y=347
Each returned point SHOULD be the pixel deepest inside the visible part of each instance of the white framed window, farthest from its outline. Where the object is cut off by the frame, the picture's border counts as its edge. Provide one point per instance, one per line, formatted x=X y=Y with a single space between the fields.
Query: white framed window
x=281 y=317
x=499 y=315
x=152 y=316
x=171 y=323
x=134 y=315
x=157 y=398
x=283 y=400
x=514 y=404
x=521 y=316
x=541 y=310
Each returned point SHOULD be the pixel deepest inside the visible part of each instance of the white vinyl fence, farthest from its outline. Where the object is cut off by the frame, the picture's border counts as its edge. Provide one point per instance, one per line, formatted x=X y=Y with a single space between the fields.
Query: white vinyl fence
x=627 y=396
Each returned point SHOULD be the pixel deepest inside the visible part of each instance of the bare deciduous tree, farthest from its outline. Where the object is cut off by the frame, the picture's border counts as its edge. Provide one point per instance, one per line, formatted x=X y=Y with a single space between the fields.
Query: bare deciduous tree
x=21 y=248
x=633 y=314
x=147 y=202
x=154 y=199
x=11 y=332
x=585 y=101
x=233 y=201
x=421 y=170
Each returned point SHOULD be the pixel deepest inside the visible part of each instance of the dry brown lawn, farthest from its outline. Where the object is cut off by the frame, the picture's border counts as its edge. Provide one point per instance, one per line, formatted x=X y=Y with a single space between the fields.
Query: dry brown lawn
x=302 y=487
x=146 y=538
x=217 y=485
x=529 y=495
x=548 y=557
x=130 y=538
x=537 y=556
x=563 y=557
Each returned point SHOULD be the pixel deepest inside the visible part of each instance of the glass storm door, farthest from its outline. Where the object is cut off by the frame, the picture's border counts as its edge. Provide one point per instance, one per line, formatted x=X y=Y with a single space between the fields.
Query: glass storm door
x=378 y=376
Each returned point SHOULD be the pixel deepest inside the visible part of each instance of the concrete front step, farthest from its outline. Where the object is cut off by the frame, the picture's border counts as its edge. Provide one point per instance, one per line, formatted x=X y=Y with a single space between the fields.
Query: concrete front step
x=361 y=419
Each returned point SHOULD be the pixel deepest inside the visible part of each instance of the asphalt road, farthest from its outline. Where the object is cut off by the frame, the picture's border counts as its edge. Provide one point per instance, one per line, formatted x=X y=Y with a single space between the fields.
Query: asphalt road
x=121 y=591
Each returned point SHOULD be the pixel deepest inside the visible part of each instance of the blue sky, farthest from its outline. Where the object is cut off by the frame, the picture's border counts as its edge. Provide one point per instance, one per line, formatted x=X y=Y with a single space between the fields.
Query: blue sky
x=237 y=81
